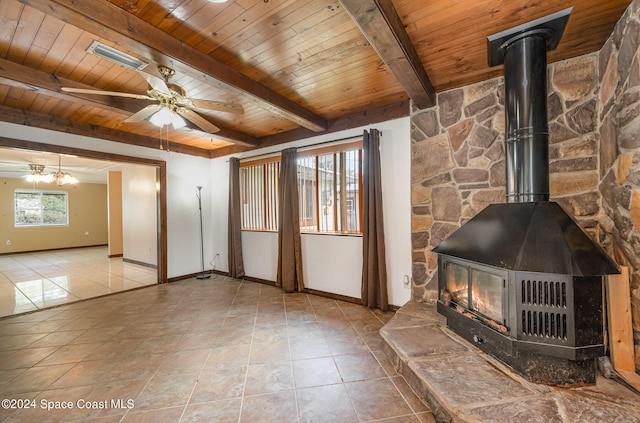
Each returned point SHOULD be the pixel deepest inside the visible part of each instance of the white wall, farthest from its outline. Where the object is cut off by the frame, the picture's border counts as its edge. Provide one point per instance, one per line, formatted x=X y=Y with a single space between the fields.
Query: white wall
x=139 y=207
x=184 y=173
x=334 y=263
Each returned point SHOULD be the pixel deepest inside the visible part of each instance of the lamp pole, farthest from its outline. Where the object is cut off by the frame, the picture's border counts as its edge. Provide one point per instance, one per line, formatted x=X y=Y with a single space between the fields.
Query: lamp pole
x=202 y=275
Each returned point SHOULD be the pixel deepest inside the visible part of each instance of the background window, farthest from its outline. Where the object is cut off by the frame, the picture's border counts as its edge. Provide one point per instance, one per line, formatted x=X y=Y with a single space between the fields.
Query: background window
x=329 y=190
x=41 y=208
x=259 y=183
x=330 y=186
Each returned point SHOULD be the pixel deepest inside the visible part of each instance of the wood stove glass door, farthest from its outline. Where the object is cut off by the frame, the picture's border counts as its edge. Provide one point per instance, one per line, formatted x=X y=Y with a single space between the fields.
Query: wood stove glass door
x=457 y=279
x=487 y=294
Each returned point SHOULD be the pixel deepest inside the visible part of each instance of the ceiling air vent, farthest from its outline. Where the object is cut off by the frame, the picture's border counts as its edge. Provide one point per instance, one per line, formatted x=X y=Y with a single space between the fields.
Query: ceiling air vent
x=116 y=56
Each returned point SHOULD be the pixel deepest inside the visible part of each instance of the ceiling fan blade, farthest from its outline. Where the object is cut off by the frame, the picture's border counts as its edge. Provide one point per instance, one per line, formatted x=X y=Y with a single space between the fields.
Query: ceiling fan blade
x=111 y=93
x=155 y=82
x=221 y=106
x=144 y=113
x=197 y=120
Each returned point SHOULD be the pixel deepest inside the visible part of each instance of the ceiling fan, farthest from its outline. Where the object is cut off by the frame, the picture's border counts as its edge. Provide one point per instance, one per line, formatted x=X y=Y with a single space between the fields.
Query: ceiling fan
x=173 y=102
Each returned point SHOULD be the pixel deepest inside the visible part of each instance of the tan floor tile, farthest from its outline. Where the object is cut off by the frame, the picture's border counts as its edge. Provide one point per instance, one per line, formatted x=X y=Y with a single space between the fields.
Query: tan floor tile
x=165 y=391
x=315 y=372
x=361 y=366
x=120 y=348
x=225 y=411
x=377 y=399
x=309 y=348
x=14 y=342
x=228 y=356
x=216 y=350
x=35 y=379
x=188 y=361
x=349 y=344
x=24 y=358
x=270 y=352
x=268 y=408
x=162 y=415
x=221 y=384
x=325 y=404
x=269 y=377
x=72 y=353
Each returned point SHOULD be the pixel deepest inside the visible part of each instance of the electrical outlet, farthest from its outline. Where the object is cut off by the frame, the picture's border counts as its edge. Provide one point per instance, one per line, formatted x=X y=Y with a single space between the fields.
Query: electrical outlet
x=407 y=282
x=8 y=242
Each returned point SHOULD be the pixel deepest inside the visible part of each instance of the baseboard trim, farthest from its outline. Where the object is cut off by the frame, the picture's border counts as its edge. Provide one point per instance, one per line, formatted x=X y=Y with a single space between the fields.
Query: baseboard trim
x=52 y=249
x=140 y=263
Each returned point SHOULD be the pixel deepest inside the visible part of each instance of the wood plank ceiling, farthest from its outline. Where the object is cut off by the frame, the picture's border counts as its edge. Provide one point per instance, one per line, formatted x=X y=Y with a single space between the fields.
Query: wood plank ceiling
x=297 y=67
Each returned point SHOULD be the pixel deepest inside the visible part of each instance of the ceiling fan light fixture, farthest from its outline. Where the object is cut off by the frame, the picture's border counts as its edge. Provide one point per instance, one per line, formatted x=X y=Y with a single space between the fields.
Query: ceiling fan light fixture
x=164 y=116
x=161 y=118
x=115 y=56
x=177 y=121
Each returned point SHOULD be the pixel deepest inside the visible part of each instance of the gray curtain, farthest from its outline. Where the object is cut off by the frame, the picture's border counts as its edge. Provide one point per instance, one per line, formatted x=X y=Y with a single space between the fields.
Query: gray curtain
x=236 y=265
x=289 y=247
x=374 y=267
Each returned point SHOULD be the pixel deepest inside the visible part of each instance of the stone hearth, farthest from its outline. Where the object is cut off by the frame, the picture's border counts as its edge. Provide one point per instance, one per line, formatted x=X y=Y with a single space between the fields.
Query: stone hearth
x=463 y=384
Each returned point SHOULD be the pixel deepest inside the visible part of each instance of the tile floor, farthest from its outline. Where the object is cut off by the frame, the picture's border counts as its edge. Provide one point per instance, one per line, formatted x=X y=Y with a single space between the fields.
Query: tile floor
x=33 y=281
x=216 y=350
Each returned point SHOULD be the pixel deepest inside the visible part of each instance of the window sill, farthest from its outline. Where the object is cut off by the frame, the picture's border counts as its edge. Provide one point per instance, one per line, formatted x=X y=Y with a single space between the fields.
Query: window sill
x=357 y=235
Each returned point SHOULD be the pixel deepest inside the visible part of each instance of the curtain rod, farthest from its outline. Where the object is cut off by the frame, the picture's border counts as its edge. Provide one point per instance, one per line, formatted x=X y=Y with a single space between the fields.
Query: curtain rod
x=303 y=147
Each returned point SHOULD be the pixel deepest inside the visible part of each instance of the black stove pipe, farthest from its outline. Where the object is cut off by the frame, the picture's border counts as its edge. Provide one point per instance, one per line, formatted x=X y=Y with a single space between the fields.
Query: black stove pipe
x=527 y=131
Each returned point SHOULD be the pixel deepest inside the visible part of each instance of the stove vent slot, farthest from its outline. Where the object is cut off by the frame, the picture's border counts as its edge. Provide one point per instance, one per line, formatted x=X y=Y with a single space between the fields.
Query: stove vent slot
x=549 y=325
x=543 y=308
x=544 y=293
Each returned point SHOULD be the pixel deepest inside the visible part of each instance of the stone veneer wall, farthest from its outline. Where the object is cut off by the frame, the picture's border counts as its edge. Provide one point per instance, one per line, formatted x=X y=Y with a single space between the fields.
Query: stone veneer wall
x=619 y=117
x=458 y=156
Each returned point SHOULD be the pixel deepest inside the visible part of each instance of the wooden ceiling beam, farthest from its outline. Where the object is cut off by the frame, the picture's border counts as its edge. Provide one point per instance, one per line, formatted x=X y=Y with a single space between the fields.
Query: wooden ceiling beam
x=109 y=21
x=380 y=24
x=369 y=117
x=24 y=77
x=38 y=120
x=29 y=79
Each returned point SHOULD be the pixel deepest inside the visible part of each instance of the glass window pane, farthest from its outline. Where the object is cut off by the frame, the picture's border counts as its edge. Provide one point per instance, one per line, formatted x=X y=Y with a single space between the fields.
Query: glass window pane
x=35 y=208
x=54 y=210
x=259 y=196
x=326 y=186
x=28 y=208
x=307 y=192
x=352 y=185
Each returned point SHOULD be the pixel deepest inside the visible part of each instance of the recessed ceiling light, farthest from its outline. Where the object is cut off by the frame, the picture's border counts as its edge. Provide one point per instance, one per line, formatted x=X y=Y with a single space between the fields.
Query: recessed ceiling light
x=115 y=56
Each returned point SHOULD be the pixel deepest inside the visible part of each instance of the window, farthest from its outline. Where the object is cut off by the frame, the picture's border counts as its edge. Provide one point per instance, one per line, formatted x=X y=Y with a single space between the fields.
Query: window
x=259 y=181
x=41 y=208
x=329 y=188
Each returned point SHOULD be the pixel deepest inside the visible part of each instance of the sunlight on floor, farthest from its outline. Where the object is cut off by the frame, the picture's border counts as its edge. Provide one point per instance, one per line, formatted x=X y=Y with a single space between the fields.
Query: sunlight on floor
x=33 y=281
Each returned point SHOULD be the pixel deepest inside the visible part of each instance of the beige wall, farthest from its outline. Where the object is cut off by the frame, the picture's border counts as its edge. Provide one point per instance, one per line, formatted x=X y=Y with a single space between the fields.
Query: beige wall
x=114 y=186
x=87 y=218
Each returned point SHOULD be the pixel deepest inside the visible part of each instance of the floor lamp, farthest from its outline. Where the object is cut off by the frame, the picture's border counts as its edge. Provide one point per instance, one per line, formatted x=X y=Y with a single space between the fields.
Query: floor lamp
x=202 y=275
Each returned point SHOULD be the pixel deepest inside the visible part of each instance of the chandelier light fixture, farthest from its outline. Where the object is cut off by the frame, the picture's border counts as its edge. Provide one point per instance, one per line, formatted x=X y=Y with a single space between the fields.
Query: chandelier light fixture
x=60 y=178
x=37 y=174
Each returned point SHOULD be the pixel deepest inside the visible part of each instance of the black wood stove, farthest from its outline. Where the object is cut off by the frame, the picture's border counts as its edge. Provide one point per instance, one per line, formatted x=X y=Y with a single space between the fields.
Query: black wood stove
x=522 y=280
